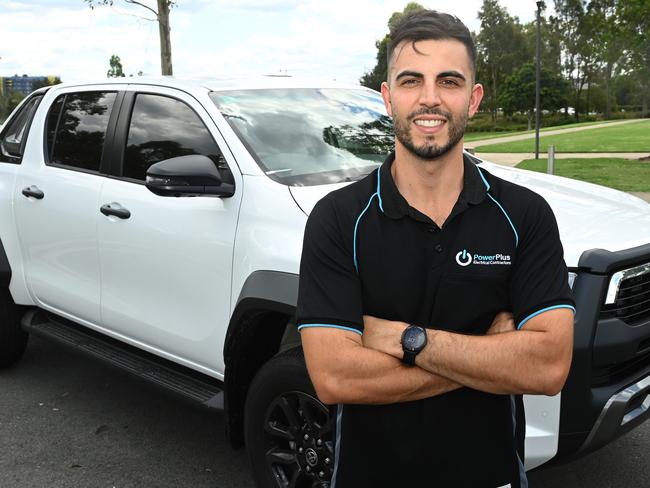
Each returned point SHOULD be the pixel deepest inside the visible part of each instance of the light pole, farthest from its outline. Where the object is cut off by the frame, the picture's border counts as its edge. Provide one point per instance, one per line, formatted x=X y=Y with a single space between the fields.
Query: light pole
x=538 y=112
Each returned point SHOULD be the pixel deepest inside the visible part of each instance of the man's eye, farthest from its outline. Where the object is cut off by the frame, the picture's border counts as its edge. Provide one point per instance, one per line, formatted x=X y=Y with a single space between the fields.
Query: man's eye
x=411 y=81
x=449 y=82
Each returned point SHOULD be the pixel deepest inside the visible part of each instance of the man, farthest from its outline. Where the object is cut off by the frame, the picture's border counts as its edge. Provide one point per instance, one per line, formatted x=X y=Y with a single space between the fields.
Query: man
x=432 y=294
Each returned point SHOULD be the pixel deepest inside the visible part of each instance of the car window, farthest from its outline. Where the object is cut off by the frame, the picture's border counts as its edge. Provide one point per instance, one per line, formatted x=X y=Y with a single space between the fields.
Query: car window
x=14 y=135
x=310 y=136
x=161 y=128
x=76 y=129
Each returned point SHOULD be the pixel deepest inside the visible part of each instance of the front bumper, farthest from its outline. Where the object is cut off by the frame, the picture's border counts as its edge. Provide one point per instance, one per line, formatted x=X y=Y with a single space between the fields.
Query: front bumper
x=608 y=390
x=622 y=412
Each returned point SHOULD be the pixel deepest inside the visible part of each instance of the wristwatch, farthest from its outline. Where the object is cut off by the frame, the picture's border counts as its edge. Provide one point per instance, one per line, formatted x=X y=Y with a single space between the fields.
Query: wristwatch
x=414 y=338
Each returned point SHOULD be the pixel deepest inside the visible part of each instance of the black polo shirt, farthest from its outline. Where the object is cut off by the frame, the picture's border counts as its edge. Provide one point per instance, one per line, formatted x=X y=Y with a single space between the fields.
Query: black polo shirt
x=367 y=252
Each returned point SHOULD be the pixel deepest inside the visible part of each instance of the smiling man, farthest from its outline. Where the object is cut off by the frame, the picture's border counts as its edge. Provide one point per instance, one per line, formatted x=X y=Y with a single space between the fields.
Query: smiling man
x=432 y=293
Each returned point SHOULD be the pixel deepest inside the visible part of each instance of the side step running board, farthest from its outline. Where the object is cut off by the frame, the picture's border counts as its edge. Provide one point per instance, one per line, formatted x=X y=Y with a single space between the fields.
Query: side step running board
x=166 y=374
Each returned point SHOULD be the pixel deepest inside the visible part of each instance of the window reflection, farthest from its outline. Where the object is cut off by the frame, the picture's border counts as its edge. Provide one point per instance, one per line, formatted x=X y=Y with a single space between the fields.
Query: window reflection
x=163 y=128
x=81 y=129
x=310 y=136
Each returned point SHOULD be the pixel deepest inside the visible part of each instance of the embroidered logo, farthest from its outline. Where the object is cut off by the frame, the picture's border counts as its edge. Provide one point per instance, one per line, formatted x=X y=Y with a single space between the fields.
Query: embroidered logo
x=465 y=258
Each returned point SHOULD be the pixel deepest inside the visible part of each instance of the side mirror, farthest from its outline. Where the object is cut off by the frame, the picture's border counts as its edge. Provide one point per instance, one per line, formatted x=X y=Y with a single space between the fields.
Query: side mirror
x=187 y=176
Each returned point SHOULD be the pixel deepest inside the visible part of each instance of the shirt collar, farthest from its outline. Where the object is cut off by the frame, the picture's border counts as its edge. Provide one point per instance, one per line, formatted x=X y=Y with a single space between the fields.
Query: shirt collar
x=395 y=206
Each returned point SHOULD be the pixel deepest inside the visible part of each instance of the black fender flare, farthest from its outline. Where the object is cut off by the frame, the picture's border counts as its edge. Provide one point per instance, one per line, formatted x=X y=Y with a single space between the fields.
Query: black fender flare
x=266 y=304
x=5 y=268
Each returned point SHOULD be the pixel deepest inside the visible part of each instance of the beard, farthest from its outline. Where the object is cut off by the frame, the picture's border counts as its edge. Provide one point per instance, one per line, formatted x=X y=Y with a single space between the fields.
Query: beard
x=429 y=149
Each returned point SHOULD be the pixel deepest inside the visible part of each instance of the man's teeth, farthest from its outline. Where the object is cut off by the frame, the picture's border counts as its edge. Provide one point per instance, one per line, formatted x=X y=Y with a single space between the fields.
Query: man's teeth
x=429 y=123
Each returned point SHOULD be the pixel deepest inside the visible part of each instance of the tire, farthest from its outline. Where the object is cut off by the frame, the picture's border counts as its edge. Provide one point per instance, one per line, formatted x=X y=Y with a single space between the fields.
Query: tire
x=288 y=431
x=13 y=339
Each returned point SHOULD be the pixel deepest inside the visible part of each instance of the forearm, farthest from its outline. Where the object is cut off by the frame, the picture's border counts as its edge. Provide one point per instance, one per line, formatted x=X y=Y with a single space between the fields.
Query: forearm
x=362 y=375
x=512 y=362
x=533 y=360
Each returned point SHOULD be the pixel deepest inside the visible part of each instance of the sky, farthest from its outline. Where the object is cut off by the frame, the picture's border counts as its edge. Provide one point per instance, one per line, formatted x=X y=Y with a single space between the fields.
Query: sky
x=331 y=39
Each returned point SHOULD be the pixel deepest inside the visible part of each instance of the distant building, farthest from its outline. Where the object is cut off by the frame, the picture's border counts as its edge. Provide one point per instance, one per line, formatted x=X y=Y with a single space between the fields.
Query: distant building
x=24 y=84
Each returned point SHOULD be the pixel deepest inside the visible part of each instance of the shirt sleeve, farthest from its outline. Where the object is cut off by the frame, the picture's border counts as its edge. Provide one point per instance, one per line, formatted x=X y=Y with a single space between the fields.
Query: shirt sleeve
x=329 y=292
x=539 y=280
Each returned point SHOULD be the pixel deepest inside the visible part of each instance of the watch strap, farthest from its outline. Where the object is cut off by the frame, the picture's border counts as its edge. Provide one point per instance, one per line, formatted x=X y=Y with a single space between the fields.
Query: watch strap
x=409 y=358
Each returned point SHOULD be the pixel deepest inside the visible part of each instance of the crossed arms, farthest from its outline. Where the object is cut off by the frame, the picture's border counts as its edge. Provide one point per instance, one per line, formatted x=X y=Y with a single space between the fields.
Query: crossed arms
x=346 y=367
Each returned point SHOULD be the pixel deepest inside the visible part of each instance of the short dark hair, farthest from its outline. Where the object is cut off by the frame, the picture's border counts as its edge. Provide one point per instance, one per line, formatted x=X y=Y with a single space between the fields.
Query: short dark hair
x=425 y=24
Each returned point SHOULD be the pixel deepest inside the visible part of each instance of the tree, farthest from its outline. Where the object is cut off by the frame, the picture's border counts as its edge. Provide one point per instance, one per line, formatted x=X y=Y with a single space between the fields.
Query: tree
x=634 y=17
x=49 y=81
x=518 y=91
x=8 y=102
x=374 y=78
x=162 y=17
x=499 y=47
x=609 y=48
x=551 y=54
x=575 y=25
x=116 y=67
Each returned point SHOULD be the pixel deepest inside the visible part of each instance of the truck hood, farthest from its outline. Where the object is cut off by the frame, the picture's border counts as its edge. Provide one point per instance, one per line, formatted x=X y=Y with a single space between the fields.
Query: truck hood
x=589 y=216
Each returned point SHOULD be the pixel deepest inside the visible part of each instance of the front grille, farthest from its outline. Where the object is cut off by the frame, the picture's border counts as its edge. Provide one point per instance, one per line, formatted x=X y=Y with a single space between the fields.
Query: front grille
x=619 y=371
x=632 y=303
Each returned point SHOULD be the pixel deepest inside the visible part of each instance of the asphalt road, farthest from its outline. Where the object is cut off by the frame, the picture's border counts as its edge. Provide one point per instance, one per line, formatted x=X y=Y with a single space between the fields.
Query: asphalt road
x=67 y=422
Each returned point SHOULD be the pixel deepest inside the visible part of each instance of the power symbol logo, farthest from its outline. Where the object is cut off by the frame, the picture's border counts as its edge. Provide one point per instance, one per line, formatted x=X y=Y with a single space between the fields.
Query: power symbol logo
x=464 y=258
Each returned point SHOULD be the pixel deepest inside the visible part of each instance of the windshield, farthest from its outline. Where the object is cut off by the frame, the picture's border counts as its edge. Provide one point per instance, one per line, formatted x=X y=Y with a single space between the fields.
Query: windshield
x=309 y=136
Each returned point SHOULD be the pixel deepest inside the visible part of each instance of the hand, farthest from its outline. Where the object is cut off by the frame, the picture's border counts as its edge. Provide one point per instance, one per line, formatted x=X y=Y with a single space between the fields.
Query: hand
x=503 y=322
x=383 y=335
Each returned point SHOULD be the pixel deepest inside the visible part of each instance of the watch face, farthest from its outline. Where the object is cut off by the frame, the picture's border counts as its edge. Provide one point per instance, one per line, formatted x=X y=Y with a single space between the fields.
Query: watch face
x=414 y=339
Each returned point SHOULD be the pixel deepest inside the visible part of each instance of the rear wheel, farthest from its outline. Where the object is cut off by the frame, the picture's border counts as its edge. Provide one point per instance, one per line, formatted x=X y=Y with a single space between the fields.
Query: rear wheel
x=288 y=430
x=13 y=339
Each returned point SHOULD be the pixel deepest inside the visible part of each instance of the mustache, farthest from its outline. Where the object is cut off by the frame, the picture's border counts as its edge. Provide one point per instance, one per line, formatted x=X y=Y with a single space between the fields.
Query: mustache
x=430 y=111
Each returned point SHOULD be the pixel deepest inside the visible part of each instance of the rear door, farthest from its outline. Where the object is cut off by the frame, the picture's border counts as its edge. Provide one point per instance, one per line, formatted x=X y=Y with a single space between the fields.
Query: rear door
x=166 y=268
x=57 y=201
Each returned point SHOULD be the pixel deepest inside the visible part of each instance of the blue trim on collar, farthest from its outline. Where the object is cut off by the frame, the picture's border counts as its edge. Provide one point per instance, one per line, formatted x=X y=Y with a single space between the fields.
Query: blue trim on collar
x=381 y=204
x=487 y=185
x=507 y=217
x=356 y=226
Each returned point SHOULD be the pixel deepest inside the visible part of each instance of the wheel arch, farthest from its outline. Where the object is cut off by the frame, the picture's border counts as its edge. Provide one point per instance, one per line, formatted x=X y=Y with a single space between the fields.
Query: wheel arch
x=5 y=267
x=260 y=327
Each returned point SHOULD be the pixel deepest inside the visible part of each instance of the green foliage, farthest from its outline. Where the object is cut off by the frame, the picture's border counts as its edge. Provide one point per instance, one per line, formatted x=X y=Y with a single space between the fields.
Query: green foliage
x=518 y=91
x=116 y=67
x=374 y=78
x=499 y=49
x=8 y=102
x=634 y=18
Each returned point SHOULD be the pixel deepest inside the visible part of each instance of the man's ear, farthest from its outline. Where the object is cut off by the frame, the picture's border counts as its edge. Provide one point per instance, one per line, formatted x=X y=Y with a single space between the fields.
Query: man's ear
x=475 y=99
x=385 y=94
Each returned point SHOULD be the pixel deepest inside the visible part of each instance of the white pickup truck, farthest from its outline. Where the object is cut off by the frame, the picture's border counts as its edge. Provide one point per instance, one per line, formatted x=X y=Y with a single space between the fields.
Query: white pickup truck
x=157 y=225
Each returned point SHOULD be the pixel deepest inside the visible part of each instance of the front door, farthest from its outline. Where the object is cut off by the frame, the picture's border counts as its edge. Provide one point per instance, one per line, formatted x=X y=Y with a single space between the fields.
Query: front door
x=166 y=269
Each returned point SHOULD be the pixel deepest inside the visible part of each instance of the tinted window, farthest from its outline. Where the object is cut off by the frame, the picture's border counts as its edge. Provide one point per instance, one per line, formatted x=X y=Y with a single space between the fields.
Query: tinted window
x=310 y=136
x=13 y=137
x=163 y=128
x=76 y=137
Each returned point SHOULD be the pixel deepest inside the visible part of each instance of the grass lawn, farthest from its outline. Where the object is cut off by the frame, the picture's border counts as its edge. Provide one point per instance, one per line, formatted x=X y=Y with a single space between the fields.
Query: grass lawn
x=633 y=137
x=476 y=136
x=621 y=174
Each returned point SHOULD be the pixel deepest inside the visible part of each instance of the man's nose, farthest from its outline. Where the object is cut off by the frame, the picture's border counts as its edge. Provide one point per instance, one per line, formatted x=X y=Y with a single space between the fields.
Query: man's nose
x=429 y=94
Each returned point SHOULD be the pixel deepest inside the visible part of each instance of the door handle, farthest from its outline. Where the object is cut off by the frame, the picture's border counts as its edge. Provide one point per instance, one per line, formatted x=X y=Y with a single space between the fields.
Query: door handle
x=116 y=210
x=34 y=192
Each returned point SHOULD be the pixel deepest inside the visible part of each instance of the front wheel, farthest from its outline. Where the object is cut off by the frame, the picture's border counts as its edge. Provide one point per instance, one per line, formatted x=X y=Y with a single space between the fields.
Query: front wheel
x=13 y=339
x=288 y=431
